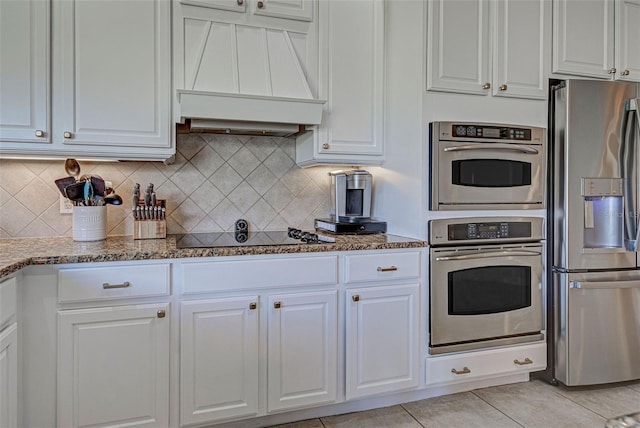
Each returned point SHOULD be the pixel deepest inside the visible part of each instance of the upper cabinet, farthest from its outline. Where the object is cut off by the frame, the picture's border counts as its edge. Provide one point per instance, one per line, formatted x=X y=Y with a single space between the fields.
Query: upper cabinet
x=351 y=79
x=597 y=38
x=287 y=9
x=108 y=93
x=466 y=56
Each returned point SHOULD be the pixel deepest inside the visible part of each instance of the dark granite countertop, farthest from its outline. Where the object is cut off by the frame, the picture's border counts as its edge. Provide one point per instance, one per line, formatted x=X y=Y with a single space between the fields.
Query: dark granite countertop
x=16 y=253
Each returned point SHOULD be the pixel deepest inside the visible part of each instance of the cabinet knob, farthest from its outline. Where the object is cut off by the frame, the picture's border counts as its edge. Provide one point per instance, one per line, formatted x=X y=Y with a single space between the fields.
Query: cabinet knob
x=277 y=305
x=325 y=146
x=523 y=363
x=612 y=70
x=39 y=133
x=161 y=314
x=486 y=86
x=240 y=2
x=625 y=73
x=465 y=370
x=67 y=135
x=355 y=298
x=260 y=4
x=503 y=87
x=253 y=305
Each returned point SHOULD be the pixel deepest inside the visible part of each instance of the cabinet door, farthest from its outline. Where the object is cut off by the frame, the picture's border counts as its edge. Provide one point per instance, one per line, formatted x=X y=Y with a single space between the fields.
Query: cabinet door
x=302 y=349
x=218 y=359
x=458 y=46
x=627 y=40
x=583 y=37
x=24 y=71
x=521 y=48
x=352 y=77
x=382 y=339
x=8 y=376
x=113 y=74
x=232 y=5
x=288 y=9
x=113 y=366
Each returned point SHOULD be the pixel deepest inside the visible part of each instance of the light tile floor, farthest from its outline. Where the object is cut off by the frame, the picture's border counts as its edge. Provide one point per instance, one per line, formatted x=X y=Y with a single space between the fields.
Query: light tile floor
x=533 y=404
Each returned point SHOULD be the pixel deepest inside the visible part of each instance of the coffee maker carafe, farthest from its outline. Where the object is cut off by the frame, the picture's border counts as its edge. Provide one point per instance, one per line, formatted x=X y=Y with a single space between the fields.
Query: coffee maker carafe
x=351 y=195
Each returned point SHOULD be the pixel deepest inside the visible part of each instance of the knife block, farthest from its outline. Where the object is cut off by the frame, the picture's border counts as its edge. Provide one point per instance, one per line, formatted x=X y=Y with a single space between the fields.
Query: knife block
x=150 y=228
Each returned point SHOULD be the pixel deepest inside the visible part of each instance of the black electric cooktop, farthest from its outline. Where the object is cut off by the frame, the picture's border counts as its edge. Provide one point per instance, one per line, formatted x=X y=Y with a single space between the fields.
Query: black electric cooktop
x=235 y=239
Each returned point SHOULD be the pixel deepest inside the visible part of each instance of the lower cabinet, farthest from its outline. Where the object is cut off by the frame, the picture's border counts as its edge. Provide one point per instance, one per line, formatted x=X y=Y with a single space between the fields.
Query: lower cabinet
x=382 y=339
x=8 y=376
x=486 y=363
x=113 y=366
x=220 y=351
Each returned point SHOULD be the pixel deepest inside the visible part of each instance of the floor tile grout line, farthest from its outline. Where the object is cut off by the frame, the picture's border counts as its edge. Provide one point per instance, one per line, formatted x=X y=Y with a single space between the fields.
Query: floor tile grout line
x=506 y=415
x=411 y=414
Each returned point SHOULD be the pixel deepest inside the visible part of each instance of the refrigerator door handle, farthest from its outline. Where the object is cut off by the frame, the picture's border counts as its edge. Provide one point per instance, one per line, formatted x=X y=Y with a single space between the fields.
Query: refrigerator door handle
x=629 y=143
x=604 y=285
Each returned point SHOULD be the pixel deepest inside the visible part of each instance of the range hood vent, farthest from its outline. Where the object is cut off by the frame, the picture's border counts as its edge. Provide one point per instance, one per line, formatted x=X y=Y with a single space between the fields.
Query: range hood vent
x=230 y=127
x=242 y=79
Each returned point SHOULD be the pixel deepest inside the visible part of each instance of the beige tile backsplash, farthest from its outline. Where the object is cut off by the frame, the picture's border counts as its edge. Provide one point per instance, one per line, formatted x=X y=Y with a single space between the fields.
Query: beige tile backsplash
x=215 y=180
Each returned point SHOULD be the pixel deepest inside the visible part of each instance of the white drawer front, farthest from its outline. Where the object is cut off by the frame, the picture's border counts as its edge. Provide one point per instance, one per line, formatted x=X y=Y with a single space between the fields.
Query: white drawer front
x=245 y=274
x=382 y=267
x=114 y=282
x=7 y=301
x=479 y=364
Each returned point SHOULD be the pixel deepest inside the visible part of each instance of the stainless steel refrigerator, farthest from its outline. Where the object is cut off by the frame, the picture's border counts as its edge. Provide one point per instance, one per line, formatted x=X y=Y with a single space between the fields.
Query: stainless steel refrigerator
x=594 y=293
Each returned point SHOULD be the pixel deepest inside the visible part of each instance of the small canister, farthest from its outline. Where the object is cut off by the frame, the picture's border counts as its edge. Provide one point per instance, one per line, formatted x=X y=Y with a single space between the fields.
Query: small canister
x=89 y=223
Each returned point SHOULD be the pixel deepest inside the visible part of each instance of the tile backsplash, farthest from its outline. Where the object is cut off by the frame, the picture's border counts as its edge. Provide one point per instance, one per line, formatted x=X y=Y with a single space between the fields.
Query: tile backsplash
x=215 y=180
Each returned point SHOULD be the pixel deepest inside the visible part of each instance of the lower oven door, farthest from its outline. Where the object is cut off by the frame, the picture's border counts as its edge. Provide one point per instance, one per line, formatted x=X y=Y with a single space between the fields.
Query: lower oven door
x=485 y=296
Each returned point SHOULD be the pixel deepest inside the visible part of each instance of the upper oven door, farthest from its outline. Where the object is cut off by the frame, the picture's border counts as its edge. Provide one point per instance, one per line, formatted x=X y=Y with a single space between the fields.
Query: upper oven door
x=476 y=175
x=485 y=292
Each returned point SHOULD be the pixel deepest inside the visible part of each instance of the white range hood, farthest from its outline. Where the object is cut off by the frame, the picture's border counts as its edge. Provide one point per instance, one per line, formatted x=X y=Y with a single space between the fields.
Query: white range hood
x=243 y=79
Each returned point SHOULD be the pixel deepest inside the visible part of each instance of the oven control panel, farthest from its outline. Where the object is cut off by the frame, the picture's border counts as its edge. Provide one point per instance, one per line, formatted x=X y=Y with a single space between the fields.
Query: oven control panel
x=456 y=231
x=493 y=132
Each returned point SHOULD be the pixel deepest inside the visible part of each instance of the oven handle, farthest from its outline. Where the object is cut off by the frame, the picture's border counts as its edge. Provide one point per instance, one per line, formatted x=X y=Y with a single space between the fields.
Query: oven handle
x=604 y=285
x=494 y=147
x=489 y=254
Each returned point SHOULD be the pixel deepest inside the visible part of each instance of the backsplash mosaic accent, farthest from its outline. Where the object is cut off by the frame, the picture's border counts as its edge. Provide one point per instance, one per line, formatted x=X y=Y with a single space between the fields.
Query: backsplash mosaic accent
x=214 y=180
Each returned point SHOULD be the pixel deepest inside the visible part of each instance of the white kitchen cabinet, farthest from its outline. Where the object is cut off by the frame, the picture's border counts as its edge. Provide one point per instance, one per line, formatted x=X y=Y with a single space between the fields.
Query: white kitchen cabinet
x=113 y=366
x=466 y=366
x=597 y=38
x=465 y=56
x=25 y=116
x=351 y=45
x=110 y=91
x=286 y=9
x=8 y=354
x=382 y=339
x=302 y=345
x=219 y=344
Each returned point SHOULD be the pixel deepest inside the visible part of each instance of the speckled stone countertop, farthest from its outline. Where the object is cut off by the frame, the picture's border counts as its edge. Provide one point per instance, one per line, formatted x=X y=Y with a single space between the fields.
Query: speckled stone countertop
x=16 y=253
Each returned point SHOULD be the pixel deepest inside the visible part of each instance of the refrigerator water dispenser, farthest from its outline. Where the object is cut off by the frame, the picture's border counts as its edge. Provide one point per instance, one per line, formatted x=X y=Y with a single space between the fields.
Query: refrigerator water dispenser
x=603 y=212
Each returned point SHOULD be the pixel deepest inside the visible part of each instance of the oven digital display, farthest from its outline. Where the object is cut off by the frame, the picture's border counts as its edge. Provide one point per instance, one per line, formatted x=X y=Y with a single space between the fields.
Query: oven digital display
x=488 y=227
x=491 y=133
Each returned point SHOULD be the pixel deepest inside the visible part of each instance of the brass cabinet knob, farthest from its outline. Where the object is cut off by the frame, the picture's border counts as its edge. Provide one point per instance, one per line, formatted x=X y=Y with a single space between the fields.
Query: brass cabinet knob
x=240 y=2
x=39 y=133
x=260 y=4
x=486 y=86
x=67 y=135
x=253 y=305
x=277 y=305
x=612 y=70
x=161 y=314
x=325 y=146
x=625 y=73
x=503 y=87
x=355 y=298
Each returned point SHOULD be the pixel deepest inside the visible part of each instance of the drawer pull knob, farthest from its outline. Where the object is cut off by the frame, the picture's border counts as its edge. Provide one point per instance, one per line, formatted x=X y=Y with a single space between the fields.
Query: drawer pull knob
x=465 y=370
x=253 y=305
x=39 y=133
x=108 y=286
x=161 y=314
x=387 y=269
x=67 y=135
x=277 y=305
x=355 y=298
x=523 y=363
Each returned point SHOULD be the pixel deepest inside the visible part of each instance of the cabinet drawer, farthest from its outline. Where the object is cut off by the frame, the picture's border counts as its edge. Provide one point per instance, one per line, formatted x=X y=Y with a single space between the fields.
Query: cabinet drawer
x=114 y=282
x=382 y=267
x=7 y=301
x=479 y=364
x=261 y=273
